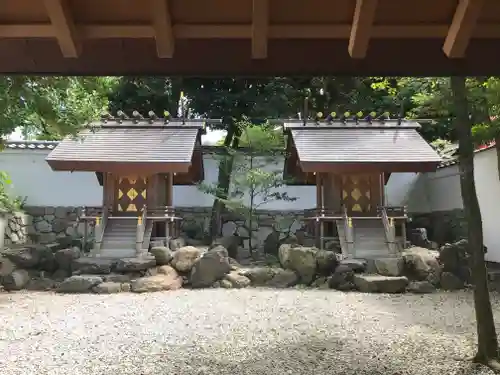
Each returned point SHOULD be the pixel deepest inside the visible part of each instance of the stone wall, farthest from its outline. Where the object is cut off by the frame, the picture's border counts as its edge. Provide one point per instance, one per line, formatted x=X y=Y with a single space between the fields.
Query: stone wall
x=442 y=226
x=46 y=224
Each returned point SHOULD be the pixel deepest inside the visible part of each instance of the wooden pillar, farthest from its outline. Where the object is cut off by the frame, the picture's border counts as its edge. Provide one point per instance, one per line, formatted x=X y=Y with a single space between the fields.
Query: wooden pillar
x=319 y=206
x=170 y=226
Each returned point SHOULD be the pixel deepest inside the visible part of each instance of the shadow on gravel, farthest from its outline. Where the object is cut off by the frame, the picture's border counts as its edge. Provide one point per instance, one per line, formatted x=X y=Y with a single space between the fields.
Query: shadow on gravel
x=332 y=357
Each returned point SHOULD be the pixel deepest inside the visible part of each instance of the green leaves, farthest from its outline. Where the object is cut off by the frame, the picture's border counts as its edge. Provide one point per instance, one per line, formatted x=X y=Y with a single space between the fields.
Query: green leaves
x=52 y=106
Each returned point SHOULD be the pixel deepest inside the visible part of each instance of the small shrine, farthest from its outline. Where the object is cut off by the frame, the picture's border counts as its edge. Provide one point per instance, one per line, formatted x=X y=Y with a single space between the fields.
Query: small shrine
x=137 y=162
x=350 y=159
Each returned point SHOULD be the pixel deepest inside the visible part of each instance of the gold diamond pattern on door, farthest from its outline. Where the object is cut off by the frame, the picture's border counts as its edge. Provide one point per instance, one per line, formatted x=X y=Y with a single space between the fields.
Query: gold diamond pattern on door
x=356 y=193
x=131 y=194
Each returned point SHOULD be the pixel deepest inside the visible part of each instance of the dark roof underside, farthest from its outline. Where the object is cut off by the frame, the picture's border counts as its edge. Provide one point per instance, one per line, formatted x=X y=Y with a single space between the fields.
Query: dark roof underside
x=382 y=147
x=153 y=149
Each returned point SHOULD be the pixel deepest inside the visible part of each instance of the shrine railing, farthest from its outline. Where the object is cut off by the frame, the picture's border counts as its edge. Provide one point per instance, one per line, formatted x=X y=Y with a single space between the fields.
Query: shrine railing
x=167 y=215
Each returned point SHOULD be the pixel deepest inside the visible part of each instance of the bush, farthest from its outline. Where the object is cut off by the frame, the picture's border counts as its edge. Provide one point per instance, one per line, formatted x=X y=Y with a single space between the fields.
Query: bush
x=8 y=203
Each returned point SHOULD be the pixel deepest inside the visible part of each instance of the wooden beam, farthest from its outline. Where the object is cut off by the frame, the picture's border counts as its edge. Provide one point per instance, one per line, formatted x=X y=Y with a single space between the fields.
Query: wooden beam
x=260 y=28
x=462 y=28
x=203 y=31
x=361 y=29
x=64 y=27
x=162 y=25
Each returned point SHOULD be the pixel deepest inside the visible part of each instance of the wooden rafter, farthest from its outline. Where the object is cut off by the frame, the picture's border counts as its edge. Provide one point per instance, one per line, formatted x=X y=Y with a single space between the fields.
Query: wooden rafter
x=64 y=27
x=288 y=31
x=260 y=28
x=361 y=30
x=462 y=27
x=162 y=26
x=163 y=31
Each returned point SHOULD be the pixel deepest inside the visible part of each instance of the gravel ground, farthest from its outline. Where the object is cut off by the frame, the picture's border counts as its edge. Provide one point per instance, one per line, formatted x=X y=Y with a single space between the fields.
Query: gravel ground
x=238 y=332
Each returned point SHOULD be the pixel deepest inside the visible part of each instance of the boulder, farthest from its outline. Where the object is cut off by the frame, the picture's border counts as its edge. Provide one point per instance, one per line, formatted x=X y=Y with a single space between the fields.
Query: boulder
x=234 y=264
x=342 y=278
x=6 y=266
x=36 y=256
x=185 y=257
x=381 y=284
x=16 y=280
x=236 y=280
x=209 y=268
x=79 y=284
x=135 y=264
x=107 y=287
x=231 y=243
x=226 y=284
x=389 y=266
x=259 y=276
x=422 y=264
x=455 y=259
x=162 y=254
x=64 y=258
x=272 y=243
x=176 y=243
x=450 y=281
x=356 y=265
x=282 y=278
x=91 y=265
x=41 y=284
x=420 y=287
x=60 y=275
x=221 y=250
x=121 y=278
x=156 y=283
x=300 y=259
x=326 y=262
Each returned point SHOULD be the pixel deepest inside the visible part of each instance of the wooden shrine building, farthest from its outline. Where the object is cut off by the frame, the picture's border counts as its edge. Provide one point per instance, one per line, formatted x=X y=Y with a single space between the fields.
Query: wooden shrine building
x=350 y=162
x=137 y=161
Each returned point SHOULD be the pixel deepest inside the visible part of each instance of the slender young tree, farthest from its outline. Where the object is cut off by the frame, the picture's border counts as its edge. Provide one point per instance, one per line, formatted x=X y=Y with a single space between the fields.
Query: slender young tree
x=487 y=350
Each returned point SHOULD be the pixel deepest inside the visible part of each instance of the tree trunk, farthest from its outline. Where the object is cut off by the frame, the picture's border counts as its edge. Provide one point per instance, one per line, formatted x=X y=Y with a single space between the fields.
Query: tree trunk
x=231 y=142
x=487 y=351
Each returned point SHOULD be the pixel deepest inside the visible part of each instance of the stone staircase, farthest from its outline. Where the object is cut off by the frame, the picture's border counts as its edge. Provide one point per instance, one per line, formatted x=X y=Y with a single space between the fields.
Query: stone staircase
x=369 y=239
x=119 y=240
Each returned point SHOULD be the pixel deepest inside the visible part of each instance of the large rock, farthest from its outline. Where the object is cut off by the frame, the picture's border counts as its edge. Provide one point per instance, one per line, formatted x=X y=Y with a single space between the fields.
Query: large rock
x=40 y=284
x=156 y=283
x=91 y=265
x=259 y=276
x=185 y=258
x=422 y=264
x=35 y=256
x=421 y=287
x=283 y=278
x=162 y=254
x=209 y=268
x=326 y=262
x=64 y=258
x=176 y=243
x=300 y=259
x=236 y=280
x=455 y=259
x=16 y=280
x=6 y=266
x=342 y=278
x=272 y=243
x=231 y=243
x=381 y=284
x=135 y=264
x=107 y=287
x=79 y=284
x=389 y=266
x=356 y=265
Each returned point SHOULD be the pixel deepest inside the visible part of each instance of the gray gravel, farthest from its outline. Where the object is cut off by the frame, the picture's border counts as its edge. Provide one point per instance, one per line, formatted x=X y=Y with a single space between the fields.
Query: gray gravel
x=237 y=332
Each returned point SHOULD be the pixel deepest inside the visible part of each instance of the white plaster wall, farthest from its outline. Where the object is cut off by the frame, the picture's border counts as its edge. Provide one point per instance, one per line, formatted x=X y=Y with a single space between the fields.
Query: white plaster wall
x=33 y=178
x=398 y=188
x=488 y=193
x=443 y=189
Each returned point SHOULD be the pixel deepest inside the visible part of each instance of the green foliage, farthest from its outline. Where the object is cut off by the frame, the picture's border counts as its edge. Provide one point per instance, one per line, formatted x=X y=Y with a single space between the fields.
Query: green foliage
x=51 y=106
x=8 y=203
